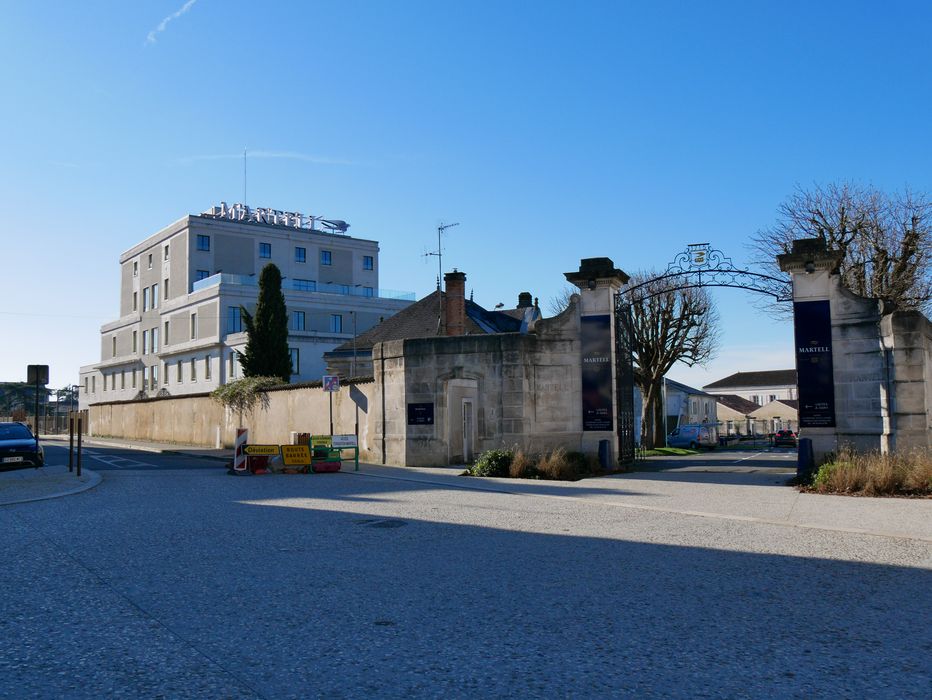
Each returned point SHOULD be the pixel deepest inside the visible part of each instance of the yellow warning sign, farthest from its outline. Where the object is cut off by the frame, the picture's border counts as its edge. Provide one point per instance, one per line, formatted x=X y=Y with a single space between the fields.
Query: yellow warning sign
x=296 y=455
x=320 y=440
x=261 y=450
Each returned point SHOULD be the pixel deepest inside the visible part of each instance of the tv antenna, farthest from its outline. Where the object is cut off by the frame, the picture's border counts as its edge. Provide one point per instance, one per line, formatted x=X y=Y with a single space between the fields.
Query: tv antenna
x=439 y=253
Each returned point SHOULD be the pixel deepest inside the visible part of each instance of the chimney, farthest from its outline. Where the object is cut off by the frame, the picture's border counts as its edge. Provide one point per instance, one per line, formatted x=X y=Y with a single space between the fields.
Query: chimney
x=455 y=310
x=524 y=300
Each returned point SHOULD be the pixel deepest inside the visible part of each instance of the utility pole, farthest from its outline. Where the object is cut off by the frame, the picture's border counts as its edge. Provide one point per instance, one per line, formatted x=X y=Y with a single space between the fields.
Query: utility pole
x=440 y=229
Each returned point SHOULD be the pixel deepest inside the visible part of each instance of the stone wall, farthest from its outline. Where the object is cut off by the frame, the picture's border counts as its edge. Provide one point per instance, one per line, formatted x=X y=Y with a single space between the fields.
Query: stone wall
x=198 y=420
x=524 y=390
x=907 y=340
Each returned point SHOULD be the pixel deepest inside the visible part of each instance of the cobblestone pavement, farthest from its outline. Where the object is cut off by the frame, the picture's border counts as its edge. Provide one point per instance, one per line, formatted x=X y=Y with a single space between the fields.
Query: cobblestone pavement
x=177 y=584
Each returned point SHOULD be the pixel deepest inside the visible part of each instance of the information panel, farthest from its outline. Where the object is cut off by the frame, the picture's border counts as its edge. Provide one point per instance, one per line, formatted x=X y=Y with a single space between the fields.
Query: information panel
x=596 y=342
x=420 y=414
x=812 y=323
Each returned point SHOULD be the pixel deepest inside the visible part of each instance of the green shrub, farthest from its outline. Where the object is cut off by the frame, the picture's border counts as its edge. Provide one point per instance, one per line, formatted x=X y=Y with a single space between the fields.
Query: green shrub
x=579 y=463
x=492 y=463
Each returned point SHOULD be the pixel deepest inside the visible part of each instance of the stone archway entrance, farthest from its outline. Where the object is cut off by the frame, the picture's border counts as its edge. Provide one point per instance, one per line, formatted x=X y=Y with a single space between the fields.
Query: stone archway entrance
x=699 y=266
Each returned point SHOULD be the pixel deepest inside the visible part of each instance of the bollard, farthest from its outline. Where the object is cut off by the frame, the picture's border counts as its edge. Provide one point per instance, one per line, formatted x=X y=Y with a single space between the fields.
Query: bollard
x=80 y=429
x=71 y=441
x=605 y=458
x=805 y=461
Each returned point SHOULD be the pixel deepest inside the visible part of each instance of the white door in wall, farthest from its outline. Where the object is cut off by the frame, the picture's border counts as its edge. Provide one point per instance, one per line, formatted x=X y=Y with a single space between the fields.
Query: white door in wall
x=467 y=431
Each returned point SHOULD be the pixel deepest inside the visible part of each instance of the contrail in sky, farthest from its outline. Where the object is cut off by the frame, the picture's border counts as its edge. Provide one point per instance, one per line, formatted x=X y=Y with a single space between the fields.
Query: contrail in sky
x=150 y=39
x=287 y=155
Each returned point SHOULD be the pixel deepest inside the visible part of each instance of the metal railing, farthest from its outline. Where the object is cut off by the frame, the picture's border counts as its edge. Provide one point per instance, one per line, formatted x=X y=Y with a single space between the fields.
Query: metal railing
x=300 y=285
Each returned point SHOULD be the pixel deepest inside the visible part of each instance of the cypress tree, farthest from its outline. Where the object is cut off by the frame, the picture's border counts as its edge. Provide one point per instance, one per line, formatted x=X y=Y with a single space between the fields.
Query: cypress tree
x=266 y=352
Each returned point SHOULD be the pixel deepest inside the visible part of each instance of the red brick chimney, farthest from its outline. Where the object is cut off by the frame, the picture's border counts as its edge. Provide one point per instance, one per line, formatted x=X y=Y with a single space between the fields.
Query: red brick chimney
x=455 y=307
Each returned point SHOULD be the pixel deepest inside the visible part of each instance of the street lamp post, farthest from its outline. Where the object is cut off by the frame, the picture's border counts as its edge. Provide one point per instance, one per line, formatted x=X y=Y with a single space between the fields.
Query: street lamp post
x=353 y=368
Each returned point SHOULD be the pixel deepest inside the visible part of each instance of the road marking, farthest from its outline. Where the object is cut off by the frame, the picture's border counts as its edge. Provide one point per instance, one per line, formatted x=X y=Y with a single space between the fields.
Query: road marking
x=116 y=461
x=750 y=456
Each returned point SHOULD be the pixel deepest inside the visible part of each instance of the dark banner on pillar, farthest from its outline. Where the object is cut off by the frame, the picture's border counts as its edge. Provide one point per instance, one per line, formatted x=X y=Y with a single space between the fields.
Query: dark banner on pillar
x=596 y=337
x=812 y=323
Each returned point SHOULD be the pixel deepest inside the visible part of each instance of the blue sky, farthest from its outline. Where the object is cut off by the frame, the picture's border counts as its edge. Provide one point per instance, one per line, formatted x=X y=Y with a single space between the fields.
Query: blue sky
x=550 y=131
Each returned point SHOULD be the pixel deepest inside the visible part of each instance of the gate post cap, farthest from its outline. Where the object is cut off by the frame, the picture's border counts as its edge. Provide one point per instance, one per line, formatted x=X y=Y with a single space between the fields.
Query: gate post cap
x=810 y=254
x=593 y=269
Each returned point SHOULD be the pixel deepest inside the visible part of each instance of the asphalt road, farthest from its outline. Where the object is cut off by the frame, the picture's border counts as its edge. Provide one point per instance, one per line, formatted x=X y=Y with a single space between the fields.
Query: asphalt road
x=172 y=579
x=111 y=458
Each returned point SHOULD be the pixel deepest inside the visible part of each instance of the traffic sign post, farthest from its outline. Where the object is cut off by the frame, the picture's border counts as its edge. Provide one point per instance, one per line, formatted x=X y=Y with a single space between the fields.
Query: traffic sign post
x=331 y=384
x=39 y=374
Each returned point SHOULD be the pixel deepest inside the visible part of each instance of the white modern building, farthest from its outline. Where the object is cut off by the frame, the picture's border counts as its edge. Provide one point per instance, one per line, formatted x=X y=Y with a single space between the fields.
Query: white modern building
x=181 y=290
x=759 y=387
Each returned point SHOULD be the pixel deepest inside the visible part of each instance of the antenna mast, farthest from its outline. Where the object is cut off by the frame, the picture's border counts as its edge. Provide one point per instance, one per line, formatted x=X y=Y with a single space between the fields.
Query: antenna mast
x=439 y=253
x=244 y=175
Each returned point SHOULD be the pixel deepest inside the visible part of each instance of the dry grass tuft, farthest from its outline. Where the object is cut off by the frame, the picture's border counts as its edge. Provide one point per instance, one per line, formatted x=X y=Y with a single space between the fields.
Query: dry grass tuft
x=521 y=465
x=555 y=465
x=874 y=474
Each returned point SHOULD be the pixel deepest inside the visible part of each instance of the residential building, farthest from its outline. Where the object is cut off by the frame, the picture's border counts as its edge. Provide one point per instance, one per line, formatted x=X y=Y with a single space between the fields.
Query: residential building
x=441 y=313
x=760 y=387
x=781 y=414
x=735 y=414
x=687 y=405
x=181 y=290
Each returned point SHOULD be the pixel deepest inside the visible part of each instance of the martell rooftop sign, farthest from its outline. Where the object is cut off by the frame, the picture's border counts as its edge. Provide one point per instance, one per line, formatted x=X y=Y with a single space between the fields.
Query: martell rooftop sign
x=275 y=217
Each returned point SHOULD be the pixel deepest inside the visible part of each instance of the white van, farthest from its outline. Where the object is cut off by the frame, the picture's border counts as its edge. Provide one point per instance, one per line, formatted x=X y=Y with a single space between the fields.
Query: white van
x=693 y=435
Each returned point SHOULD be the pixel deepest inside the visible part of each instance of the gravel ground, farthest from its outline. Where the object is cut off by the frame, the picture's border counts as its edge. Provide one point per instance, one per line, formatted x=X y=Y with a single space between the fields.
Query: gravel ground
x=184 y=584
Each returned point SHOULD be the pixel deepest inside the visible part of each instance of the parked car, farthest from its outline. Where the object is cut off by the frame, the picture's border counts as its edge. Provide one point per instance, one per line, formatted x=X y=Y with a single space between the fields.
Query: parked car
x=18 y=447
x=784 y=438
x=693 y=436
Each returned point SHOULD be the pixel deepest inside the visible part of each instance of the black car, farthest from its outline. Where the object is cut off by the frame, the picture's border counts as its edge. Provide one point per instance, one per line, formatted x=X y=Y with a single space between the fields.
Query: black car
x=784 y=438
x=18 y=447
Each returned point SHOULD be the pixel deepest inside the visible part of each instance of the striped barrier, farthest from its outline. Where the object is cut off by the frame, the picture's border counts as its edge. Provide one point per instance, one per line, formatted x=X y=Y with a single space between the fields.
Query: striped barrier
x=239 y=456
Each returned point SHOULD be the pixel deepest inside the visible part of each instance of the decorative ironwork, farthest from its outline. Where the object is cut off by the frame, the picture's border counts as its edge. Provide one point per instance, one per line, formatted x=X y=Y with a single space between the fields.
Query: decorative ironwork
x=700 y=265
x=624 y=387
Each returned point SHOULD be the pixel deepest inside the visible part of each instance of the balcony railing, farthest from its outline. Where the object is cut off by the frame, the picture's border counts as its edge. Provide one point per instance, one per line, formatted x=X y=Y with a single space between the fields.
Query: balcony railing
x=299 y=285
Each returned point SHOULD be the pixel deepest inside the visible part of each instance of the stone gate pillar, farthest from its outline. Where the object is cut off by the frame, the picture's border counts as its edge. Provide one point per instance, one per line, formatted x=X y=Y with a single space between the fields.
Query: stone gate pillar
x=598 y=281
x=840 y=365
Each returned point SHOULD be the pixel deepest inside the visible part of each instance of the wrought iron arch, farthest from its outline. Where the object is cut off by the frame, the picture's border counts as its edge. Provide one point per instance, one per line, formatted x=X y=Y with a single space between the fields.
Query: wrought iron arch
x=699 y=265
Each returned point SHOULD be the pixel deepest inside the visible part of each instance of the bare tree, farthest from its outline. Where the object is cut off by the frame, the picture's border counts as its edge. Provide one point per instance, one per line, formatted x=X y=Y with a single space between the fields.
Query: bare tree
x=886 y=239
x=561 y=300
x=668 y=325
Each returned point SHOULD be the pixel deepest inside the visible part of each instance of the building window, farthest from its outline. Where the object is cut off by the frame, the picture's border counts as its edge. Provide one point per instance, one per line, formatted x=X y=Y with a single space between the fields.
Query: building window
x=165 y=253
x=135 y=301
x=135 y=347
x=122 y=378
x=155 y=340
x=203 y=242
x=150 y=261
x=193 y=370
x=165 y=336
x=154 y=375
x=773 y=397
x=94 y=385
x=201 y=275
x=133 y=377
x=145 y=342
x=135 y=268
x=155 y=296
x=305 y=285
x=336 y=323
x=145 y=298
x=105 y=381
x=300 y=254
x=85 y=385
x=344 y=289
x=113 y=346
x=325 y=257
x=265 y=250
x=179 y=377
x=194 y=326
x=297 y=320
x=207 y=368
x=232 y=370
x=295 y=360
x=165 y=287
x=234 y=319
x=367 y=262
x=145 y=381
x=368 y=291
